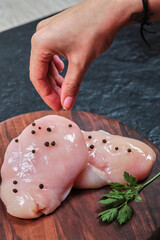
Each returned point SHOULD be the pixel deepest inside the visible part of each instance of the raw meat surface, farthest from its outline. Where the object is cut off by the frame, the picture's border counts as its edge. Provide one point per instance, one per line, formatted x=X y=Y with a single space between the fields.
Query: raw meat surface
x=40 y=166
x=111 y=155
x=52 y=154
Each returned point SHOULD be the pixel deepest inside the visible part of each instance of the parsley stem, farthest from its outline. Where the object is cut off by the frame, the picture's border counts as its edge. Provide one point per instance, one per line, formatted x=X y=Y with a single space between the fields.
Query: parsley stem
x=151 y=180
x=122 y=204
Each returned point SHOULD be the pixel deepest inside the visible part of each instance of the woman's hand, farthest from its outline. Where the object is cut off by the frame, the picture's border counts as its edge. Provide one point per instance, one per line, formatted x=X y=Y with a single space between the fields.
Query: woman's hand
x=80 y=34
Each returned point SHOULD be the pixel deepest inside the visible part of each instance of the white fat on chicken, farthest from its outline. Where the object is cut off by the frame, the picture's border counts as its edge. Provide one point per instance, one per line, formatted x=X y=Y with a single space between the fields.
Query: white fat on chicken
x=40 y=166
x=111 y=155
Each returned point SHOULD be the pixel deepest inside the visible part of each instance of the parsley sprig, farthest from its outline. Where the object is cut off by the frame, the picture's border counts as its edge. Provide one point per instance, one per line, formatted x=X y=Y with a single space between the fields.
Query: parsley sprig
x=116 y=201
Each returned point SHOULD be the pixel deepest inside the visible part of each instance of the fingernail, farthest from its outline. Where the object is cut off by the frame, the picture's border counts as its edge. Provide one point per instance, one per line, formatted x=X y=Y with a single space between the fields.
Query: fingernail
x=68 y=103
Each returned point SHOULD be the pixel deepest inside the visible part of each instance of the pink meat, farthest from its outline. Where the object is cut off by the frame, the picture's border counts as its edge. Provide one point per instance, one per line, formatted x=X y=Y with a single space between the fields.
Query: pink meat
x=111 y=155
x=40 y=166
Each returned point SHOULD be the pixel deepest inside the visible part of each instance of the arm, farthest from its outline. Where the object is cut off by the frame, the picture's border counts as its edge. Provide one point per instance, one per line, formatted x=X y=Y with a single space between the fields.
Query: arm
x=80 y=34
x=136 y=13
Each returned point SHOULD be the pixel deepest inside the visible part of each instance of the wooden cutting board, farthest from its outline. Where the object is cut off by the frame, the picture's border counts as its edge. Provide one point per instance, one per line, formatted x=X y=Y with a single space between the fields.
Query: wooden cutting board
x=76 y=218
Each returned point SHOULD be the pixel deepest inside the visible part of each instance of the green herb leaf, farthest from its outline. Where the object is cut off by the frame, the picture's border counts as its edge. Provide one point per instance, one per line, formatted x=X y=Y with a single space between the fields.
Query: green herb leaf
x=109 y=215
x=130 y=179
x=125 y=214
x=108 y=201
x=129 y=195
x=118 y=186
x=114 y=194
x=117 y=199
x=137 y=198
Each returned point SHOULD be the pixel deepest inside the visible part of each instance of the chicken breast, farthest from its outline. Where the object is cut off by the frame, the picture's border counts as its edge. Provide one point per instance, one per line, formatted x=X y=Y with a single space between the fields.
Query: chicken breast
x=40 y=166
x=52 y=154
x=111 y=155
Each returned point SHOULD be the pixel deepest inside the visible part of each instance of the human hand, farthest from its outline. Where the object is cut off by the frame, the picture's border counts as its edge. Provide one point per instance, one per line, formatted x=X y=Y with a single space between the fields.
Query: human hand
x=80 y=34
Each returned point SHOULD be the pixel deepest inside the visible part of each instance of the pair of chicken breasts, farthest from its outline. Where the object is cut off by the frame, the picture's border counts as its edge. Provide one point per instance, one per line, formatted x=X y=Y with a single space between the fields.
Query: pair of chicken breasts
x=52 y=155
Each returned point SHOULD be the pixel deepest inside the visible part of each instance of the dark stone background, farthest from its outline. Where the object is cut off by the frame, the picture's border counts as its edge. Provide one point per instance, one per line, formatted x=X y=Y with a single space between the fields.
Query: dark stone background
x=123 y=83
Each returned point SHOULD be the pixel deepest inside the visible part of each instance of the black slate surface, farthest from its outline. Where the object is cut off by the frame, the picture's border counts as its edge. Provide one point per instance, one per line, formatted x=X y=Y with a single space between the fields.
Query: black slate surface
x=123 y=83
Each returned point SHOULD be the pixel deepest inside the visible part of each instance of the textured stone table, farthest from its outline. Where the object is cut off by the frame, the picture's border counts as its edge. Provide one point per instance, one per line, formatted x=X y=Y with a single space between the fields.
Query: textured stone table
x=124 y=83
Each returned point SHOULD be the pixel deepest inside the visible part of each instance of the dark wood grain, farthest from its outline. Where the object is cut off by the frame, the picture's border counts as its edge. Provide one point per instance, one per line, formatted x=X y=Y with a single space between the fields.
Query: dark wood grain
x=76 y=218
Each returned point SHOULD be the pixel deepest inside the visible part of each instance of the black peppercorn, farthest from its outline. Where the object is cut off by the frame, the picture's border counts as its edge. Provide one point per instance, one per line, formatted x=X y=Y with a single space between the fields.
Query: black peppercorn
x=33 y=124
x=116 y=148
x=15 y=182
x=104 y=141
x=39 y=127
x=91 y=146
x=53 y=143
x=89 y=136
x=70 y=125
x=33 y=132
x=46 y=144
x=129 y=150
x=41 y=186
x=33 y=151
x=16 y=140
x=15 y=190
x=49 y=129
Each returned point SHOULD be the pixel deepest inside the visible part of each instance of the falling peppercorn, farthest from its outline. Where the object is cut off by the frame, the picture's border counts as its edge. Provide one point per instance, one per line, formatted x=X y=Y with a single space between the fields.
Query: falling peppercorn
x=116 y=148
x=15 y=190
x=15 y=182
x=89 y=136
x=33 y=124
x=91 y=146
x=41 y=186
x=129 y=150
x=33 y=132
x=46 y=144
x=104 y=141
x=16 y=140
x=53 y=143
x=49 y=129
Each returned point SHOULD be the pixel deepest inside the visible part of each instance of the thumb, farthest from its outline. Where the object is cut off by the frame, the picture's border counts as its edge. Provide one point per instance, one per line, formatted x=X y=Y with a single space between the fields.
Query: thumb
x=71 y=84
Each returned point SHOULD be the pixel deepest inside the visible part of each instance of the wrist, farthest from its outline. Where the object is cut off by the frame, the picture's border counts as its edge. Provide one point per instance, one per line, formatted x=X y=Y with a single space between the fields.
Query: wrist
x=154 y=9
x=133 y=12
x=116 y=14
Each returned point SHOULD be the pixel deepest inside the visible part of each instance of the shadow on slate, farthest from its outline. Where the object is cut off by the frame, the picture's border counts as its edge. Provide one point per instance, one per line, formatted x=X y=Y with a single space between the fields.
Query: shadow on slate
x=123 y=83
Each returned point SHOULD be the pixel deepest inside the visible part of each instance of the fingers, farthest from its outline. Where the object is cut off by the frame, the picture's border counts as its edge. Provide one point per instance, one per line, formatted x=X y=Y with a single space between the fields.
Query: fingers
x=58 y=63
x=39 y=66
x=55 y=74
x=71 y=84
x=54 y=86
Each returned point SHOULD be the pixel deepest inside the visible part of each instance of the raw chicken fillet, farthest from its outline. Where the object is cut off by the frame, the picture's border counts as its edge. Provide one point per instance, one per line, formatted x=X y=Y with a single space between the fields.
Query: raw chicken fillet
x=41 y=165
x=111 y=155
